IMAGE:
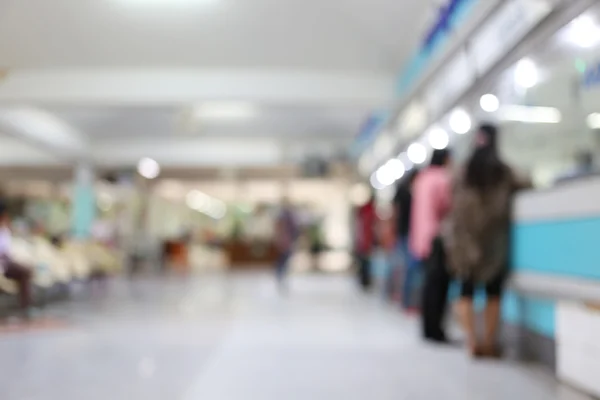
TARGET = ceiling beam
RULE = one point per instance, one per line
(185, 86)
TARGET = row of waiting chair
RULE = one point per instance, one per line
(52, 264)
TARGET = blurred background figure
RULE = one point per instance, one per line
(287, 233)
(477, 237)
(366, 221)
(430, 205)
(13, 271)
(584, 166)
(404, 260)
(316, 243)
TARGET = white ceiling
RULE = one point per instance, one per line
(270, 121)
(121, 76)
(351, 35)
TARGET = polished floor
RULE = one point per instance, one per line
(218, 337)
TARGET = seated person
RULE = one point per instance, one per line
(10, 269)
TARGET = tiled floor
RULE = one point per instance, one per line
(224, 338)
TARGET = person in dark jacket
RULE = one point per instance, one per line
(404, 255)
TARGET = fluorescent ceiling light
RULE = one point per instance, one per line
(593, 121)
(489, 103)
(225, 110)
(205, 204)
(526, 74)
(583, 32)
(532, 115)
(460, 121)
(148, 168)
(438, 138)
(417, 153)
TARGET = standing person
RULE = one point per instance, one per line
(19, 274)
(286, 230)
(366, 219)
(477, 237)
(402, 212)
(430, 205)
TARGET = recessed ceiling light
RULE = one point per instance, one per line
(593, 121)
(417, 153)
(148, 168)
(489, 103)
(375, 183)
(438, 138)
(386, 175)
(583, 32)
(526, 74)
(460, 121)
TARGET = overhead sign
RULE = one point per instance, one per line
(509, 25)
(449, 16)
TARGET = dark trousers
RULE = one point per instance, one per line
(435, 293)
(22, 277)
(282, 264)
(365, 277)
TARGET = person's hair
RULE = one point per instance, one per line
(485, 168)
(439, 158)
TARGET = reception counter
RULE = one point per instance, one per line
(554, 295)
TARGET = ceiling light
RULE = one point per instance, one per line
(197, 200)
(375, 183)
(417, 153)
(489, 103)
(438, 138)
(148, 168)
(385, 175)
(532, 115)
(593, 121)
(460, 121)
(396, 167)
(217, 209)
(225, 110)
(583, 32)
(526, 73)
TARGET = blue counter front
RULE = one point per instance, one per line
(555, 257)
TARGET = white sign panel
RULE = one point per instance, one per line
(452, 81)
(509, 25)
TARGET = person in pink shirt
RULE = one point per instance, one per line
(431, 204)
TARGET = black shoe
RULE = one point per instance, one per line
(439, 338)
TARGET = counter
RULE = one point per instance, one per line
(555, 289)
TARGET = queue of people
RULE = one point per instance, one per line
(451, 224)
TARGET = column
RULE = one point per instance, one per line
(83, 202)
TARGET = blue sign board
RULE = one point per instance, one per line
(450, 15)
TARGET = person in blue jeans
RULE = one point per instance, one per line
(402, 212)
